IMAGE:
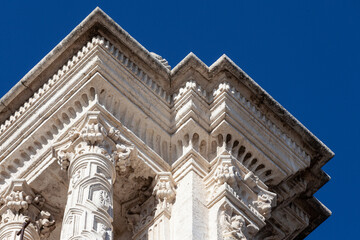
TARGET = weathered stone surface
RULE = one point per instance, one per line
(121, 146)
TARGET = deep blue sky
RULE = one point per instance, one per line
(306, 54)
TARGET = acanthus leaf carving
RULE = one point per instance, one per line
(95, 135)
(20, 204)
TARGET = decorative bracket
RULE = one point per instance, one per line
(164, 191)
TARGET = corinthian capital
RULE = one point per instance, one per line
(20, 204)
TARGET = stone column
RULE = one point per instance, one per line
(19, 205)
(90, 156)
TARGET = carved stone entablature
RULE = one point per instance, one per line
(234, 225)
(20, 204)
(95, 135)
(229, 177)
(164, 192)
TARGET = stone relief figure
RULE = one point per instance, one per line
(233, 226)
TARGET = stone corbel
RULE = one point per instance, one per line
(164, 192)
(265, 199)
(21, 204)
(225, 175)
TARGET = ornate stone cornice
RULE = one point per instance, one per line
(141, 75)
(214, 128)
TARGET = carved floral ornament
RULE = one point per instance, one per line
(95, 136)
(230, 176)
(19, 204)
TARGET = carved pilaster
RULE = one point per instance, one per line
(91, 154)
(20, 204)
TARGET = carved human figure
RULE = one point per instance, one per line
(235, 228)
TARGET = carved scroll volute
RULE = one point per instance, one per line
(20, 204)
(164, 191)
(125, 152)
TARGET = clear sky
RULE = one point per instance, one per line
(306, 54)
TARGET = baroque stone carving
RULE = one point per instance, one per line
(234, 226)
(247, 188)
(91, 153)
(20, 204)
(223, 138)
(94, 138)
(226, 173)
(164, 191)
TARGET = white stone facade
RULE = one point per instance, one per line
(103, 140)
